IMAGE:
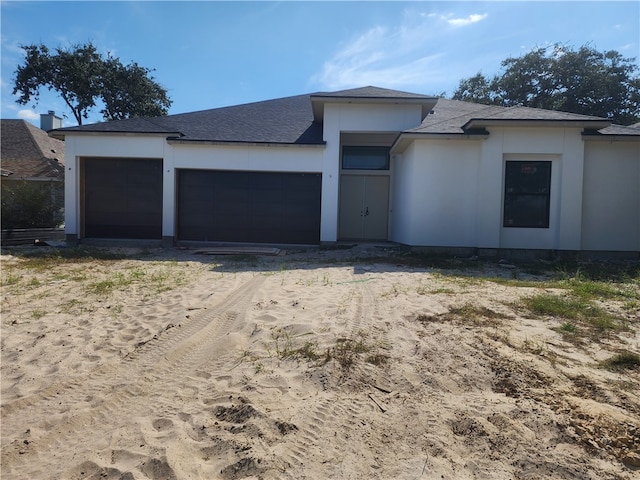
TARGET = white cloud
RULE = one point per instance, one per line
(462, 22)
(405, 56)
(28, 114)
(380, 56)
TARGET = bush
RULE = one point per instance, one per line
(31, 204)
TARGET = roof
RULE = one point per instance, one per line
(28, 152)
(298, 119)
(368, 94)
(286, 120)
(456, 117)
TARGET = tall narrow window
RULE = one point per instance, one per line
(527, 187)
(365, 158)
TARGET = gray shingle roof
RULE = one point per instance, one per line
(620, 130)
(455, 117)
(28, 152)
(290, 120)
(285, 120)
(372, 92)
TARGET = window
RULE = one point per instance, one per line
(526, 194)
(365, 158)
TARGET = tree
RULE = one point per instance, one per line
(559, 78)
(129, 89)
(82, 77)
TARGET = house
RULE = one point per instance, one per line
(361, 164)
(28, 153)
(29, 157)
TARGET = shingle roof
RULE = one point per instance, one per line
(28, 152)
(283, 120)
(456, 117)
(372, 92)
(620, 130)
(290, 120)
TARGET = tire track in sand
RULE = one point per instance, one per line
(161, 365)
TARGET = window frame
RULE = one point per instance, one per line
(364, 149)
(520, 190)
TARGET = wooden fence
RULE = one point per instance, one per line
(28, 236)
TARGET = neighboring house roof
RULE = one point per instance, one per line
(298, 119)
(27, 152)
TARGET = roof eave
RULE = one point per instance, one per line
(609, 137)
(532, 122)
(61, 134)
(180, 141)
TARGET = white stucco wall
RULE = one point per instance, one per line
(344, 117)
(176, 156)
(611, 204)
(451, 192)
(565, 149)
(78, 146)
(434, 193)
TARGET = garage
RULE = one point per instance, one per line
(122, 198)
(252, 207)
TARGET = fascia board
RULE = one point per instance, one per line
(483, 122)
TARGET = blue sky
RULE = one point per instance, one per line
(211, 54)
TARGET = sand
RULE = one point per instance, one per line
(319, 364)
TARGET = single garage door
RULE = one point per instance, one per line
(122, 198)
(257, 207)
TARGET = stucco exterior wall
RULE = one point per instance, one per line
(611, 203)
(434, 194)
(565, 149)
(176, 156)
(78, 146)
(450, 193)
(444, 192)
(354, 118)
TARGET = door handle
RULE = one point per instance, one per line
(366, 212)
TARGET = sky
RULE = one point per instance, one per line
(210, 54)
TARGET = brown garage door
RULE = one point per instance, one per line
(256, 207)
(122, 198)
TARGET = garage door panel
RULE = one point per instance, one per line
(261, 207)
(122, 198)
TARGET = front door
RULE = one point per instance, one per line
(364, 207)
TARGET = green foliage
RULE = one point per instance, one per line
(28, 204)
(82, 76)
(557, 77)
(574, 308)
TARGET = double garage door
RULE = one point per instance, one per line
(257, 207)
(123, 199)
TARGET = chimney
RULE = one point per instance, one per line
(50, 121)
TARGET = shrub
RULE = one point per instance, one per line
(30, 204)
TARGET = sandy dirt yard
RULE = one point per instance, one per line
(352, 363)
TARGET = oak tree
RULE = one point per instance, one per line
(84, 79)
(584, 81)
